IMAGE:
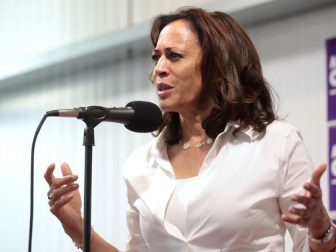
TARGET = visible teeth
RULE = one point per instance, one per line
(163, 87)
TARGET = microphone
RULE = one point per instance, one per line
(137, 116)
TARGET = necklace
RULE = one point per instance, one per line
(198, 145)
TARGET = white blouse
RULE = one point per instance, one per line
(177, 207)
(234, 204)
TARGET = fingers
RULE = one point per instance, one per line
(297, 215)
(54, 182)
(48, 175)
(317, 174)
(312, 190)
(309, 214)
(306, 201)
(65, 168)
(56, 205)
(56, 194)
(58, 182)
(293, 218)
(303, 213)
(60, 188)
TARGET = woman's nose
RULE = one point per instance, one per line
(161, 68)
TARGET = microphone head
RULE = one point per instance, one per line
(147, 117)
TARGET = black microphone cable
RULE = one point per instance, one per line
(31, 218)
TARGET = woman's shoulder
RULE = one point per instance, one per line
(139, 158)
(140, 153)
(281, 127)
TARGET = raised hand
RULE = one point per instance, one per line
(313, 214)
(64, 199)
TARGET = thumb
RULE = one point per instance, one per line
(317, 174)
(65, 168)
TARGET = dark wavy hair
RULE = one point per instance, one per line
(233, 83)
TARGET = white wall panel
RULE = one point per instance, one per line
(145, 9)
(31, 27)
(34, 26)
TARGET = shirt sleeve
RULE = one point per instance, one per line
(297, 169)
(136, 242)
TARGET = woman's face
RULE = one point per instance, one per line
(176, 74)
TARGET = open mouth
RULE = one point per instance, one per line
(164, 90)
(163, 87)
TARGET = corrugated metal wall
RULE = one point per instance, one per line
(292, 51)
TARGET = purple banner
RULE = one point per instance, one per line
(332, 171)
(331, 76)
(331, 96)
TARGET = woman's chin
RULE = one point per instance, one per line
(166, 107)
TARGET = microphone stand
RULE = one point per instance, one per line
(91, 119)
(88, 142)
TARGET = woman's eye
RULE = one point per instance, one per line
(174, 56)
(155, 58)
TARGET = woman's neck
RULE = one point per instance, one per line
(192, 130)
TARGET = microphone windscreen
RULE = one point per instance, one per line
(147, 117)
